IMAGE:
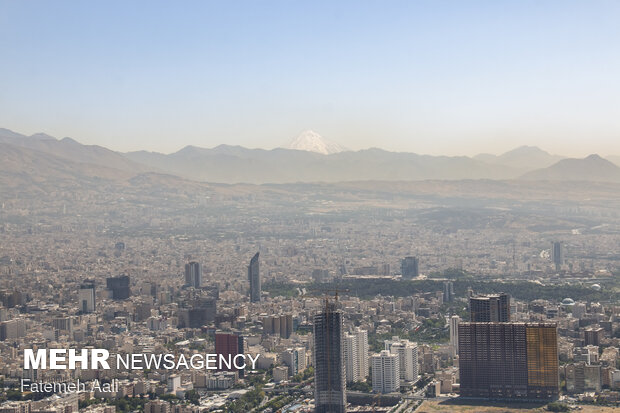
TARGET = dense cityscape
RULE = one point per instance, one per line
(349, 303)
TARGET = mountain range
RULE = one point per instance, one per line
(309, 158)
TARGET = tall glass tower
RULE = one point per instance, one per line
(254, 278)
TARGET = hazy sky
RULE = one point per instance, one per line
(438, 77)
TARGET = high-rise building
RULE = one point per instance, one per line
(12, 299)
(198, 312)
(508, 360)
(448, 292)
(557, 254)
(278, 324)
(119, 287)
(356, 355)
(12, 329)
(407, 353)
(409, 267)
(330, 388)
(174, 383)
(193, 274)
(490, 308)
(581, 377)
(385, 372)
(454, 334)
(63, 323)
(351, 358)
(295, 359)
(254, 278)
(286, 325)
(362, 352)
(593, 336)
(229, 344)
(86, 297)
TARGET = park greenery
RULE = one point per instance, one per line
(361, 386)
(304, 375)
(277, 403)
(247, 402)
(521, 290)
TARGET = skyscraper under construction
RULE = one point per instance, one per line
(330, 392)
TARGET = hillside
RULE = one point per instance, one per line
(592, 168)
(523, 158)
(72, 150)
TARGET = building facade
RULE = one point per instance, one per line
(356, 355)
(229, 344)
(193, 274)
(508, 360)
(409, 267)
(489, 308)
(254, 278)
(385, 372)
(557, 254)
(330, 388)
(448, 291)
(407, 353)
(119, 287)
(454, 334)
(86, 297)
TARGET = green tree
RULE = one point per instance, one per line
(13, 394)
(558, 407)
(192, 396)
(361, 386)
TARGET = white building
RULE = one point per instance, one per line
(385, 372)
(362, 349)
(407, 353)
(356, 355)
(454, 334)
(295, 359)
(351, 358)
(174, 383)
(280, 374)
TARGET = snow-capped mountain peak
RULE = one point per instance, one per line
(313, 142)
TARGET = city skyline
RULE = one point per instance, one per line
(309, 207)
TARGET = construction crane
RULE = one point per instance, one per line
(331, 290)
(324, 291)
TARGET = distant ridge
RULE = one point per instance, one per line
(228, 164)
(46, 157)
(30, 171)
(72, 150)
(592, 168)
(524, 158)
